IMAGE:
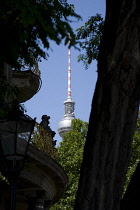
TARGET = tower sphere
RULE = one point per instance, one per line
(65, 125)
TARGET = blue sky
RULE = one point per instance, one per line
(49, 100)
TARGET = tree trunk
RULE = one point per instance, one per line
(114, 109)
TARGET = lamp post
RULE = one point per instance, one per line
(15, 136)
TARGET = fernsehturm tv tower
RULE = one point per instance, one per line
(65, 124)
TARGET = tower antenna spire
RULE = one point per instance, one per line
(69, 69)
(65, 124)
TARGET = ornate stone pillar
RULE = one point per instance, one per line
(39, 204)
(48, 204)
(42, 202)
(7, 72)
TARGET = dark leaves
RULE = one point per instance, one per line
(27, 23)
(89, 37)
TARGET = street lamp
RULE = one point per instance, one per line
(15, 136)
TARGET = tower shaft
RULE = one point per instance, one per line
(65, 124)
(69, 70)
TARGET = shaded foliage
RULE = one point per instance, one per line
(89, 36)
(42, 140)
(27, 26)
(8, 93)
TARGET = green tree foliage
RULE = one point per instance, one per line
(43, 141)
(70, 154)
(27, 26)
(135, 154)
(89, 36)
